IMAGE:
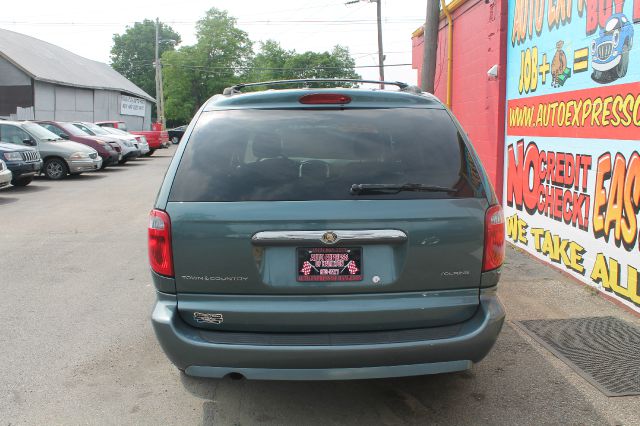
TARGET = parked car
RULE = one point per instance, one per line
(155, 138)
(128, 145)
(70, 132)
(610, 50)
(24, 162)
(60, 157)
(139, 140)
(176, 134)
(326, 234)
(5, 175)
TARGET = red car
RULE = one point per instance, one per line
(106, 150)
(155, 138)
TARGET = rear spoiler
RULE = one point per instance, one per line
(232, 90)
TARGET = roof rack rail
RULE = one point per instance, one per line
(236, 88)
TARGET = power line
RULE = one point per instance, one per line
(247, 22)
(250, 68)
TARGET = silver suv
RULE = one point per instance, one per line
(61, 157)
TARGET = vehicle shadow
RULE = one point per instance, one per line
(7, 200)
(385, 401)
(112, 169)
(86, 176)
(27, 189)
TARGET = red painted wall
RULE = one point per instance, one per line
(479, 42)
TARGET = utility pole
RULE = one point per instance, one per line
(159, 89)
(380, 50)
(430, 46)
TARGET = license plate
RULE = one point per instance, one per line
(330, 264)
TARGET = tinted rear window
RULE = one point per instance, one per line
(268, 155)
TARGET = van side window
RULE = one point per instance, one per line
(13, 134)
(52, 128)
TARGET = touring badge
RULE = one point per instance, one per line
(207, 318)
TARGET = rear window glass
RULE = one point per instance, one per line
(295, 155)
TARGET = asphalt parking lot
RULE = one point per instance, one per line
(76, 344)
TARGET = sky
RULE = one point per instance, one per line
(87, 27)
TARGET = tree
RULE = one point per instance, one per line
(192, 74)
(133, 52)
(335, 64)
(270, 63)
(223, 56)
(275, 63)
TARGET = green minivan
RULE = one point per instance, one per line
(325, 234)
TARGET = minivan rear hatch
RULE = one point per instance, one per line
(326, 209)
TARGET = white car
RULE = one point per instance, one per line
(128, 144)
(141, 140)
(143, 145)
(5, 175)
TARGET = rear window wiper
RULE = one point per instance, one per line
(394, 188)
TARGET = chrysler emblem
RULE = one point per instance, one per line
(329, 237)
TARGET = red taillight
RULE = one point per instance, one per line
(494, 243)
(325, 98)
(160, 253)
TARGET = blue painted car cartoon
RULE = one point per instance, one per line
(610, 51)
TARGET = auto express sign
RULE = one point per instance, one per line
(130, 105)
(572, 148)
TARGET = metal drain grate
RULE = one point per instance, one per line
(603, 350)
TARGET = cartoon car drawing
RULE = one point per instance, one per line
(610, 51)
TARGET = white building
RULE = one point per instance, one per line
(45, 82)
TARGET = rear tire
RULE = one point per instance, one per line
(55, 169)
(623, 66)
(22, 181)
(150, 153)
(121, 162)
(175, 140)
(597, 76)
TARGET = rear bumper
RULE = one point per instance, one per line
(267, 356)
(5, 177)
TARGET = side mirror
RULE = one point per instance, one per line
(64, 136)
(29, 142)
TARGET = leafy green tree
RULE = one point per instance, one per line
(133, 52)
(219, 59)
(275, 63)
(270, 63)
